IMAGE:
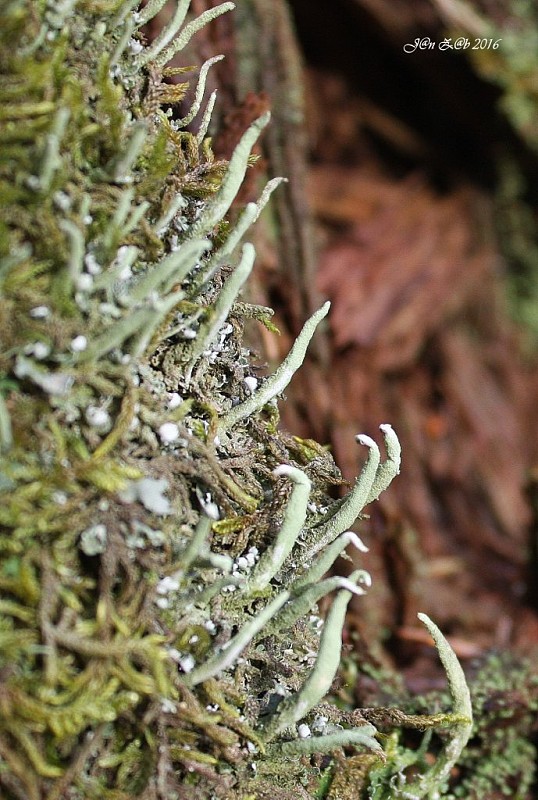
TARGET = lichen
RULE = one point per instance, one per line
(162, 543)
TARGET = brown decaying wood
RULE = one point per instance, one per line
(420, 337)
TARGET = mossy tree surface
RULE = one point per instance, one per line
(162, 544)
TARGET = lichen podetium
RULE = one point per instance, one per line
(161, 544)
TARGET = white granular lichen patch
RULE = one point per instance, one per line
(93, 540)
(40, 312)
(97, 417)
(79, 344)
(168, 432)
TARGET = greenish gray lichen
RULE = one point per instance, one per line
(161, 542)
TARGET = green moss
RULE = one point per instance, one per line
(500, 759)
(153, 519)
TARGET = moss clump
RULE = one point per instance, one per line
(162, 545)
(500, 758)
(130, 511)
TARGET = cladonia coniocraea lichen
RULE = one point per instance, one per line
(162, 545)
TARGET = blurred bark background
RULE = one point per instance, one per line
(411, 204)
